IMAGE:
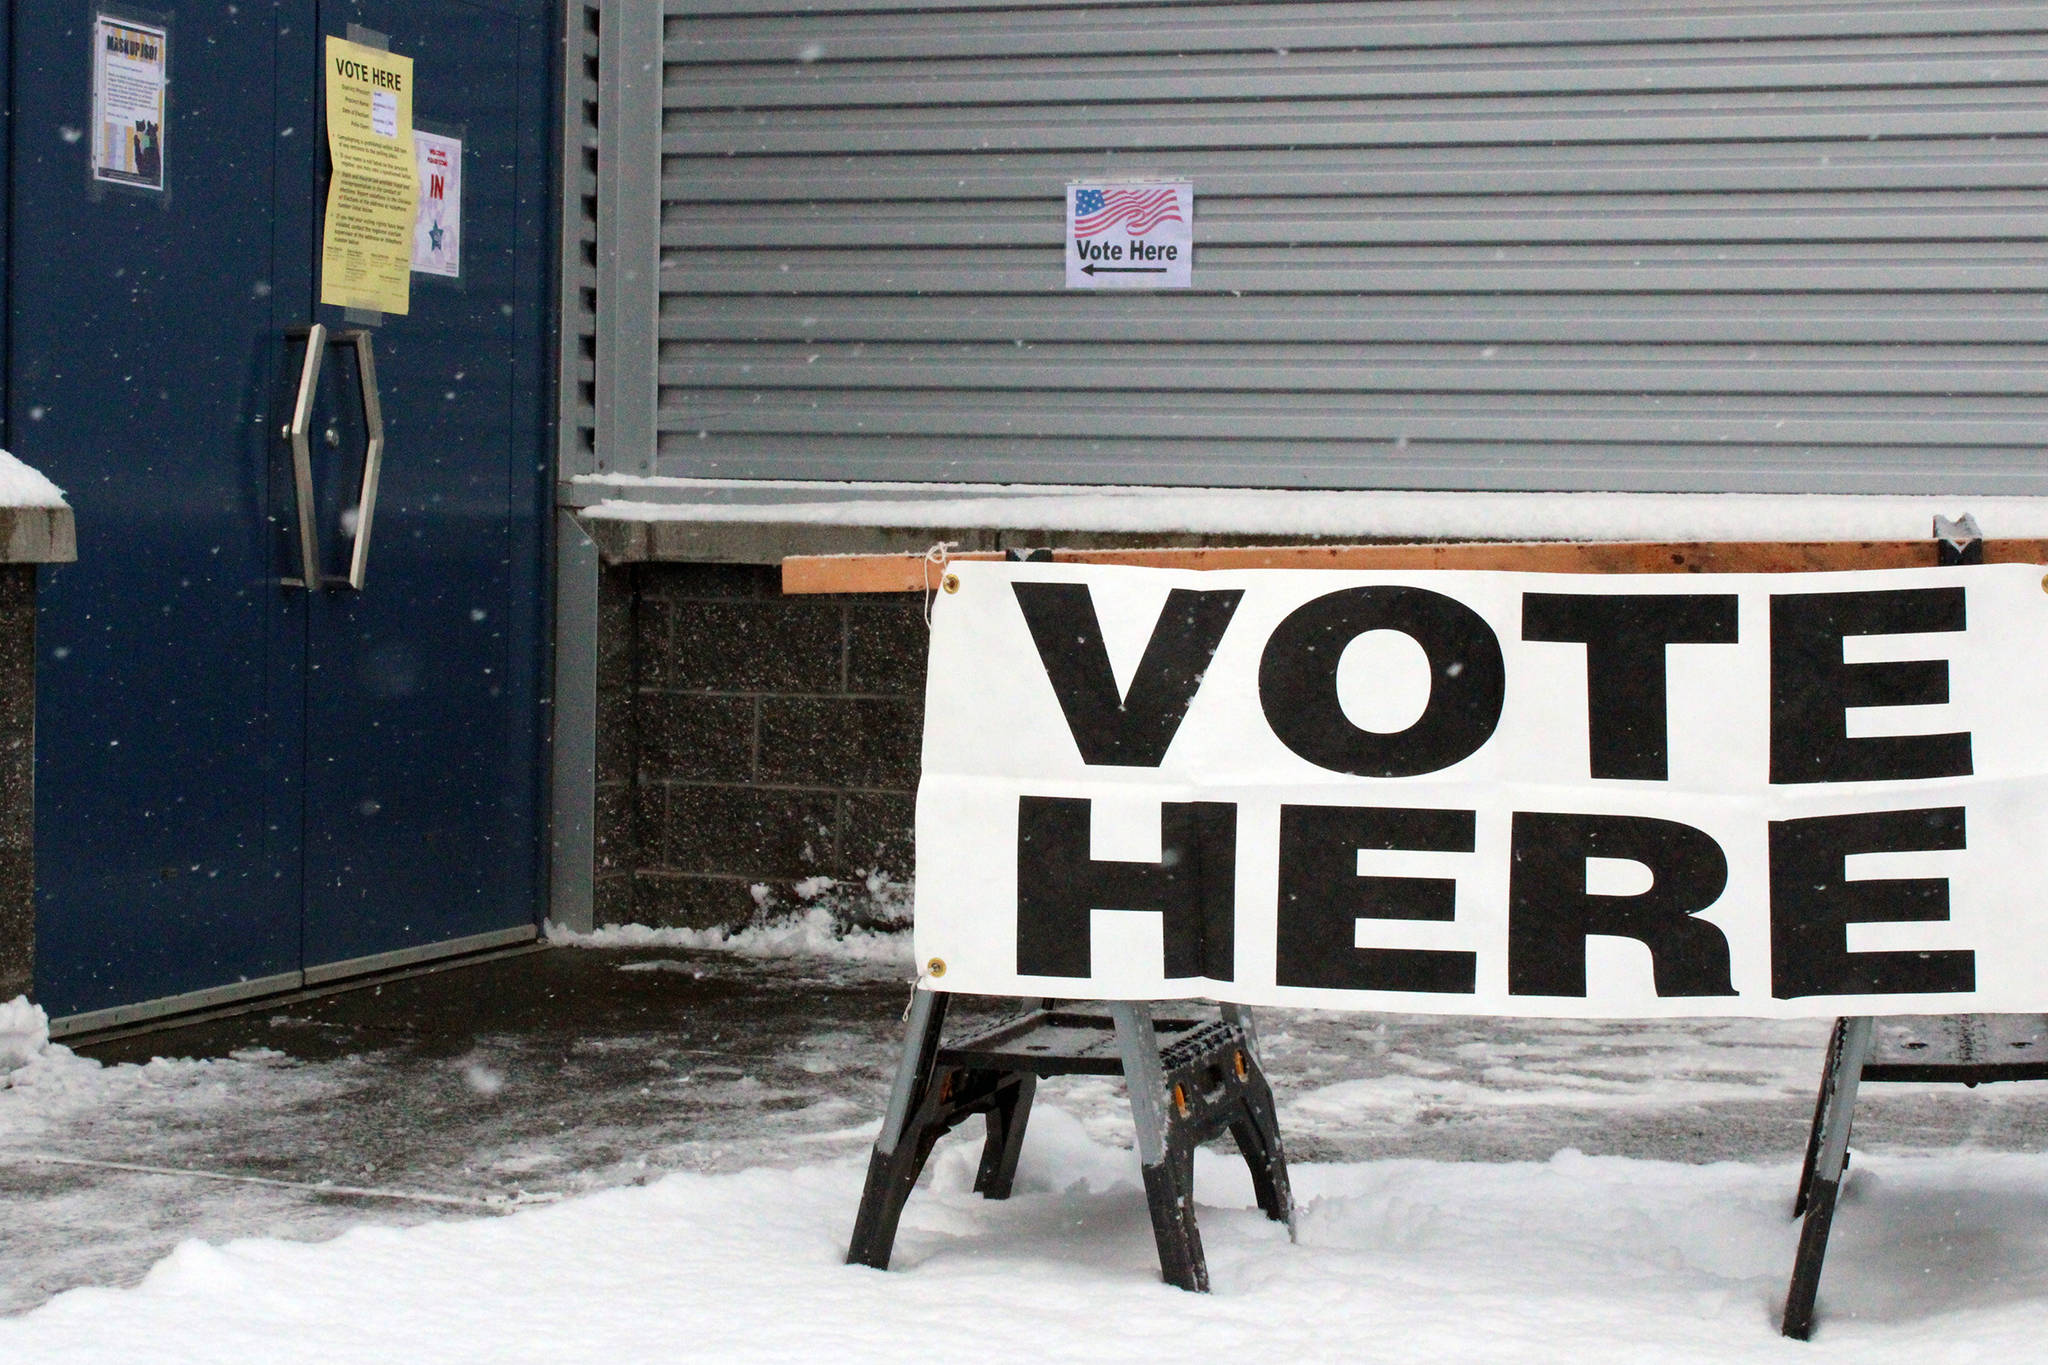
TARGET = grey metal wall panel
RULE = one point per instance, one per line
(576, 384)
(628, 235)
(1517, 244)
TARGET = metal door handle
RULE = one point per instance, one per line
(317, 342)
(302, 454)
(373, 456)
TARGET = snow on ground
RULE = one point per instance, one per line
(1471, 1189)
(1579, 1259)
(49, 1088)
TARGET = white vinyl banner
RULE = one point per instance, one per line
(1490, 793)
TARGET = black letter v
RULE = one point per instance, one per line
(1132, 731)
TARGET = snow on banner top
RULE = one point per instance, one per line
(1773, 795)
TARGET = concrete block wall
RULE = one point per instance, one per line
(747, 739)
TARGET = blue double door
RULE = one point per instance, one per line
(243, 781)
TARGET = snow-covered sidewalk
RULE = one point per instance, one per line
(690, 1119)
(1577, 1259)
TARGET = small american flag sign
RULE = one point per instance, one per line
(1138, 211)
(1136, 234)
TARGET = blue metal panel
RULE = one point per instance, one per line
(6, 203)
(238, 779)
(423, 734)
(141, 370)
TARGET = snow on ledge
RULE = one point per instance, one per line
(21, 486)
(1361, 515)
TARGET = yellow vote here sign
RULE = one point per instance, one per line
(366, 247)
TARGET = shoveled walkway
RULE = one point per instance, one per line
(467, 1092)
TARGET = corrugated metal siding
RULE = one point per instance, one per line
(576, 385)
(1516, 244)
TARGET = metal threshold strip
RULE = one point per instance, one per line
(328, 979)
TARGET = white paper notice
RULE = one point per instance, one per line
(437, 228)
(383, 113)
(129, 65)
(1131, 235)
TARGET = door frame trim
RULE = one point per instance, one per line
(425, 952)
(116, 1015)
(572, 795)
(92, 1021)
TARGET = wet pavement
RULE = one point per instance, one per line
(472, 1091)
(456, 1093)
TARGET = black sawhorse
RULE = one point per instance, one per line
(1969, 1049)
(1191, 1078)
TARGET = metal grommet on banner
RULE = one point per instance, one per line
(936, 557)
(935, 968)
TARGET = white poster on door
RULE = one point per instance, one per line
(437, 225)
(130, 65)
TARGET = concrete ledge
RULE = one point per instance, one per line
(738, 522)
(37, 535)
(671, 540)
(762, 542)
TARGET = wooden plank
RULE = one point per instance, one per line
(864, 573)
(915, 573)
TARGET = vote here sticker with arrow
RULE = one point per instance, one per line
(1132, 234)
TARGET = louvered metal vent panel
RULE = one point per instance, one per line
(576, 385)
(1519, 244)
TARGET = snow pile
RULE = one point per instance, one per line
(1577, 1259)
(857, 922)
(820, 930)
(875, 901)
(1360, 515)
(24, 1034)
(21, 486)
(29, 1060)
(815, 932)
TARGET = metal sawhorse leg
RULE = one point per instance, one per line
(1190, 1079)
(1968, 1049)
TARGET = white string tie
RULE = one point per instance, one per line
(935, 558)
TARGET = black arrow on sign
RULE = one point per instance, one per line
(1123, 269)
